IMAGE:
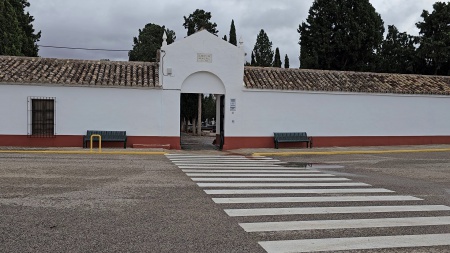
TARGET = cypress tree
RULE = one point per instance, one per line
(17, 35)
(277, 61)
(397, 53)
(233, 39)
(434, 36)
(263, 52)
(11, 36)
(286, 61)
(341, 35)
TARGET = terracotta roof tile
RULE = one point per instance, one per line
(29, 70)
(322, 80)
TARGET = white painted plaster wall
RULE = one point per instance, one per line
(260, 113)
(140, 112)
(227, 64)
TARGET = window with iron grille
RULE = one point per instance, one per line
(41, 116)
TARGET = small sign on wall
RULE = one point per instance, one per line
(202, 57)
(233, 104)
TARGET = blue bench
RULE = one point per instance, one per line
(292, 137)
(107, 136)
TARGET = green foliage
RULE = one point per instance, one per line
(434, 49)
(199, 20)
(263, 53)
(253, 62)
(233, 39)
(17, 35)
(188, 106)
(397, 53)
(286, 61)
(148, 42)
(277, 61)
(208, 107)
(340, 35)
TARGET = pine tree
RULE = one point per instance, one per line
(277, 61)
(149, 41)
(286, 61)
(340, 35)
(262, 50)
(233, 39)
(198, 20)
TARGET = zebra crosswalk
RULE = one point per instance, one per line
(276, 203)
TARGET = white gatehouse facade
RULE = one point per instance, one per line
(69, 97)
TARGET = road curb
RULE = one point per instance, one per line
(355, 152)
(83, 152)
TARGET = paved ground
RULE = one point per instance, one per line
(191, 142)
(145, 203)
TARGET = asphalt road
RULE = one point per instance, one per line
(130, 203)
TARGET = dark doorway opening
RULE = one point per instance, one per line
(193, 137)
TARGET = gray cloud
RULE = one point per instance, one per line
(112, 24)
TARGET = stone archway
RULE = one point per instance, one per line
(204, 82)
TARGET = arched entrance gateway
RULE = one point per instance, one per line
(210, 131)
(202, 64)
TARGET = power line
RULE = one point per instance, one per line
(87, 49)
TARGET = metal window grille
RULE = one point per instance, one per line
(41, 117)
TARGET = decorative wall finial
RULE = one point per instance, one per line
(164, 39)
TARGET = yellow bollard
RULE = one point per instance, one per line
(99, 142)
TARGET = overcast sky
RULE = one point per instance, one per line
(112, 24)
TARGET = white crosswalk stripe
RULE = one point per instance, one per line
(270, 179)
(256, 175)
(279, 171)
(355, 243)
(206, 185)
(329, 210)
(249, 182)
(340, 224)
(297, 191)
(312, 199)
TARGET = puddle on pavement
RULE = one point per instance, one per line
(311, 165)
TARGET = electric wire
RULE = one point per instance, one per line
(86, 49)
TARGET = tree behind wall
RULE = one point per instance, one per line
(434, 35)
(340, 35)
(17, 35)
(262, 51)
(149, 41)
(397, 53)
(198, 20)
(233, 39)
(209, 107)
(277, 60)
(286, 61)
